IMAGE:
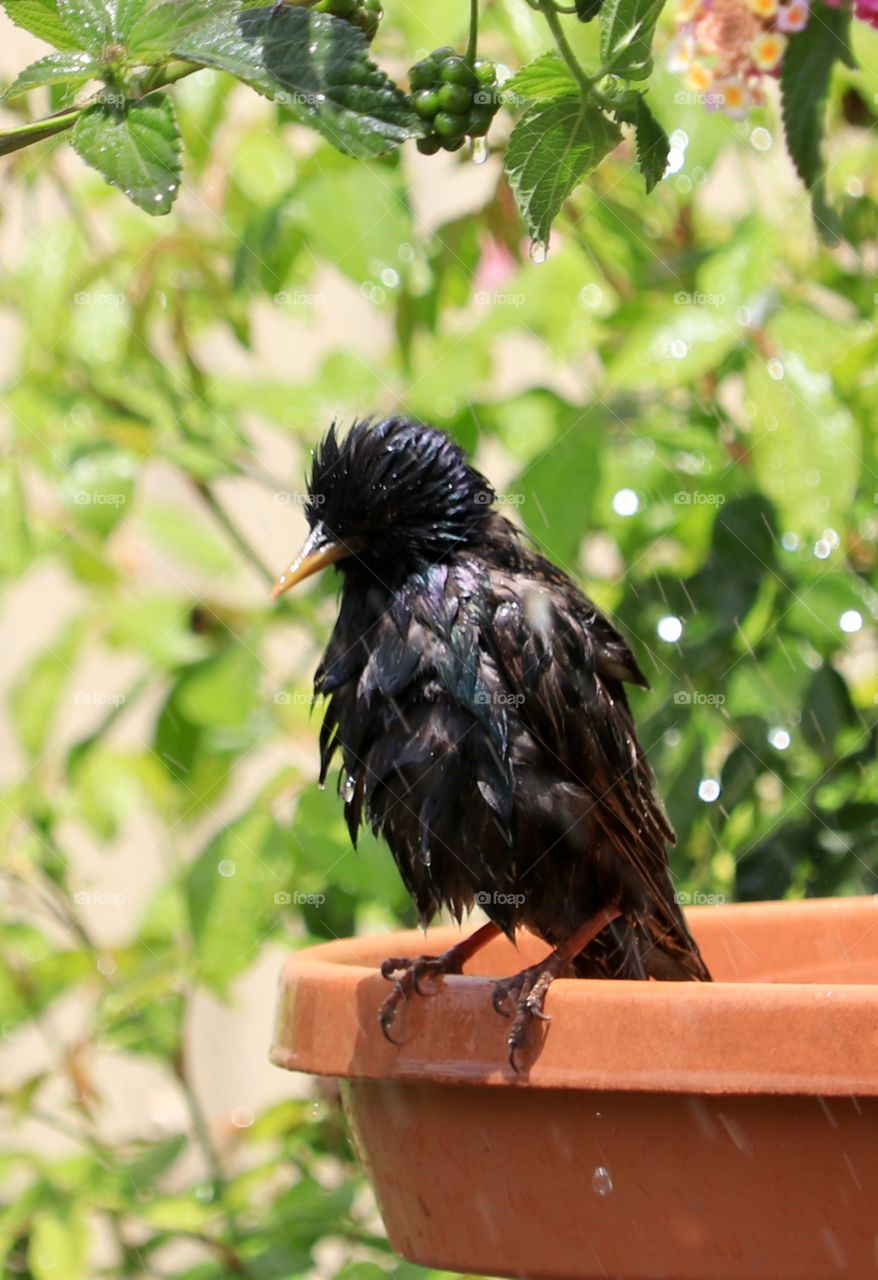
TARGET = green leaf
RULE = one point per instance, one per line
(318, 67)
(58, 1248)
(827, 710)
(91, 21)
(543, 80)
(653, 147)
(231, 891)
(551, 149)
(34, 702)
(165, 25)
(42, 19)
(806, 445)
(136, 148)
(98, 485)
(807, 68)
(627, 30)
(55, 68)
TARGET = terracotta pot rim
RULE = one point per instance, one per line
(795, 1011)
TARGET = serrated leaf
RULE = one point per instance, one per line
(162, 27)
(551, 149)
(807, 69)
(97, 23)
(55, 68)
(627, 30)
(653, 147)
(543, 80)
(91, 21)
(42, 19)
(318, 67)
(136, 148)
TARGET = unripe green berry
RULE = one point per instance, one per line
(422, 75)
(486, 72)
(426, 103)
(428, 146)
(449, 125)
(455, 98)
(454, 70)
(478, 121)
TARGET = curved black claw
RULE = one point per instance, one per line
(529, 990)
(407, 973)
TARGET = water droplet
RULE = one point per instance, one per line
(775, 370)
(822, 549)
(709, 790)
(537, 251)
(347, 791)
(241, 1117)
(317, 1110)
(851, 620)
(669, 629)
(779, 738)
(480, 150)
(761, 139)
(601, 1181)
(591, 295)
(679, 348)
(226, 867)
(626, 502)
(790, 542)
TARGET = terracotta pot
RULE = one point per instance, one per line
(661, 1129)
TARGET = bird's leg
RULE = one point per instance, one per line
(530, 986)
(407, 972)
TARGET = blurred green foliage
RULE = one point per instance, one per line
(678, 405)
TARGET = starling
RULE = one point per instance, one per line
(477, 698)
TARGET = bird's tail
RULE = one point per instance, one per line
(626, 949)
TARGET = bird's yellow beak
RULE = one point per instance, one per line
(320, 549)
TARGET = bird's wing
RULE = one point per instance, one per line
(564, 664)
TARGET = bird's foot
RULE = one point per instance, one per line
(407, 973)
(527, 992)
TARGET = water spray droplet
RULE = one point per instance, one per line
(480, 150)
(601, 1181)
(537, 251)
(347, 791)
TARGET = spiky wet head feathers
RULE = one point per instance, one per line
(402, 489)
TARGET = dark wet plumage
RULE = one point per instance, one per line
(476, 698)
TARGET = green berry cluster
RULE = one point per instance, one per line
(453, 98)
(364, 14)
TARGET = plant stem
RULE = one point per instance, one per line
(473, 41)
(23, 135)
(547, 9)
(221, 516)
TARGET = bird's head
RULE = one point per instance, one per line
(388, 499)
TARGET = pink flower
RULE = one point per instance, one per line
(867, 11)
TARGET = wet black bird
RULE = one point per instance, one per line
(477, 698)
